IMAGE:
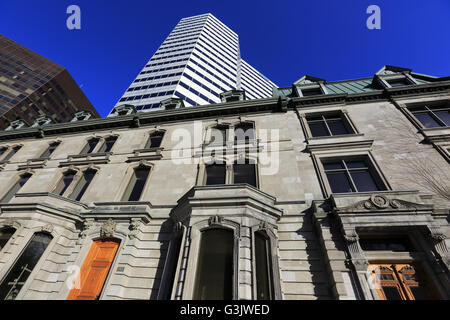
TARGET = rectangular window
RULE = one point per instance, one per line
(154, 140)
(311, 92)
(328, 125)
(383, 243)
(351, 176)
(108, 144)
(398, 82)
(215, 174)
(12, 153)
(64, 183)
(82, 185)
(52, 147)
(432, 116)
(90, 146)
(245, 173)
(17, 186)
(136, 185)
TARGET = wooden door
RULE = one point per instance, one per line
(94, 271)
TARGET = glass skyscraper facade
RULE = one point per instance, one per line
(198, 60)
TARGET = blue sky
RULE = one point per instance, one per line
(282, 39)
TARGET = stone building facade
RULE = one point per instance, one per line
(317, 202)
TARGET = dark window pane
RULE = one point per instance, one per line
(140, 178)
(155, 140)
(398, 82)
(2, 151)
(337, 127)
(427, 120)
(391, 244)
(13, 152)
(215, 266)
(318, 129)
(444, 116)
(50, 150)
(392, 293)
(5, 235)
(244, 173)
(17, 186)
(218, 136)
(339, 182)
(333, 165)
(263, 266)
(419, 293)
(16, 278)
(90, 146)
(311, 92)
(83, 185)
(355, 164)
(215, 174)
(109, 143)
(65, 183)
(244, 132)
(364, 181)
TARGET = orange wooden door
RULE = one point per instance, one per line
(94, 271)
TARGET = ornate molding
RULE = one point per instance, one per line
(379, 202)
(87, 224)
(108, 228)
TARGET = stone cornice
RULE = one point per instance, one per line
(274, 104)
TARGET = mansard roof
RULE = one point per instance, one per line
(357, 86)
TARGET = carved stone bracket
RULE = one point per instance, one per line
(215, 220)
(438, 238)
(134, 228)
(47, 228)
(87, 224)
(108, 228)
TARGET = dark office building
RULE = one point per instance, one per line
(32, 86)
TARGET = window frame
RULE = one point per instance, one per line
(145, 186)
(78, 181)
(342, 113)
(229, 169)
(318, 160)
(16, 180)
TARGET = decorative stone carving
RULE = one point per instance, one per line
(87, 224)
(215, 220)
(438, 238)
(108, 228)
(381, 202)
(134, 228)
(8, 222)
(48, 228)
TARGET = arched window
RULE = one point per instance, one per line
(65, 182)
(83, 184)
(214, 277)
(19, 273)
(16, 187)
(244, 132)
(215, 174)
(136, 184)
(5, 235)
(155, 139)
(263, 267)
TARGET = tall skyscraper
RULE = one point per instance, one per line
(32, 86)
(198, 60)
